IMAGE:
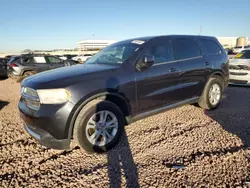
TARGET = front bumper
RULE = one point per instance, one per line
(12, 74)
(46, 139)
(239, 77)
(48, 125)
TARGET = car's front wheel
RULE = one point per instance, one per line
(98, 126)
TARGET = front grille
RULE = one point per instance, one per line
(238, 67)
(239, 73)
(238, 81)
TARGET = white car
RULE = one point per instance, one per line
(62, 57)
(239, 68)
(82, 58)
(238, 49)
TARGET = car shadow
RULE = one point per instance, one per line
(3, 78)
(120, 158)
(233, 113)
(3, 104)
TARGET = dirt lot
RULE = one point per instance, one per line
(213, 148)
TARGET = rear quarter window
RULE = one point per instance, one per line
(211, 47)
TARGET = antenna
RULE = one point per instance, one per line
(200, 30)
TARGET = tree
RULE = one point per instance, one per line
(27, 51)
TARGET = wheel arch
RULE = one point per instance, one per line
(220, 74)
(117, 99)
(26, 70)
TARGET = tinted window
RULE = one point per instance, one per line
(211, 47)
(185, 48)
(13, 59)
(54, 59)
(161, 51)
(27, 60)
(3, 61)
(245, 54)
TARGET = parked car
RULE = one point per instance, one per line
(82, 58)
(124, 82)
(8, 56)
(61, 57)
(238, 49)
(66, 56)
(3, 67)
(239, 68)
(29, 64)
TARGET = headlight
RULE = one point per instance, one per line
(53, 96)
(31, 98)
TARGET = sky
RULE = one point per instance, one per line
(53, 24)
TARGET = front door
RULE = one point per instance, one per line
(157, 86)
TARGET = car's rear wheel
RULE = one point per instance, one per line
(212, 94)
(98, 126)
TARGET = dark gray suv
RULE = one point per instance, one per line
(29, 64)
(124, 82)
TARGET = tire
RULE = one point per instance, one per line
(205, 102)
(81, 132)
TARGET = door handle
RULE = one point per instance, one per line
(207, 63)
(173, 70)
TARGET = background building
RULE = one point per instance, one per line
(93, 44)
(229, 42)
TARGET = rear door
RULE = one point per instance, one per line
(54, 62)
(193, 65)
(158, 85)
(40, 64)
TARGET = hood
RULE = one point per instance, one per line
(62, 77)
(239, 62)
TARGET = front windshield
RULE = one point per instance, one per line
(245, 54)
(116, 53)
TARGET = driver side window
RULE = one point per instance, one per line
(161, 50)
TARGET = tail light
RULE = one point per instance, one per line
(13, 65)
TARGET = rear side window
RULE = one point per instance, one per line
(185, 48)
(161, 50)
(40, 59)
(244, 54)
(54, 60)
(211, 47)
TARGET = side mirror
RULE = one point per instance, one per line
(146, 62)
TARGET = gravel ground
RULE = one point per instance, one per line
(182, 147)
